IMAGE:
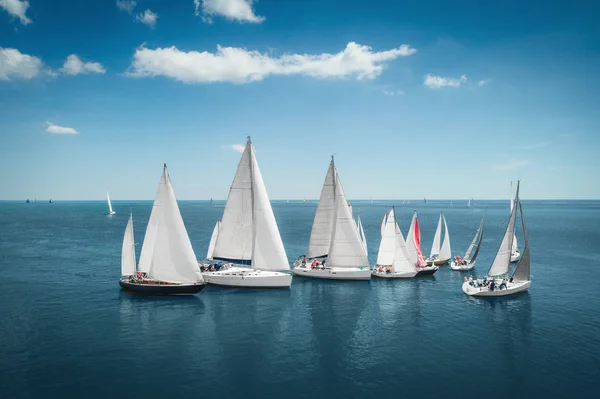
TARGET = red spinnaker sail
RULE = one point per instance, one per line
(417, 232)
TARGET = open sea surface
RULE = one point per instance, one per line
(68, 331)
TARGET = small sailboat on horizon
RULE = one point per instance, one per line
(110, 208)
(499, 281)
(336, 250)
(467, 262)
(440, 255)
(247, 237)
(167, 264)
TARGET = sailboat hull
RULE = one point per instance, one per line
(335, 273)
(515, 256)
(468, 266)
(149, 288)
(512, 289)
(426, 271)
(243, 277)
(437, 262)
(394, 274)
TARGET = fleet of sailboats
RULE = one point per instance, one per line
(247, 237)
(336, 250)
(440, 254)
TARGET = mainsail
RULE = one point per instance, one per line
(515, 246)
(387, 246)
(411, 249)
(445, 251)
(476, 241)
(168, 252)
(361, 233)
(501, 262)
(435, 247)
(401, 262)
(110, 210)
(322, 228)
(128, 250)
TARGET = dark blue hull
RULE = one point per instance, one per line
(162, 289)
(426, 272)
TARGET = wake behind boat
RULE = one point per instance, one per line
(498, 281)
(167, 263)
(440, 255)
(467, 262)
(336, 250)
(245, 249)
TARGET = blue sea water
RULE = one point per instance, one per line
(67, 330)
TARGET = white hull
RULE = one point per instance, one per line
(436, 261)
(394, 274)
(468, 266)
(112, 213)
(244, 277)
(336, 273)
(512, 288)
(514, 256)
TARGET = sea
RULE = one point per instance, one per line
(67, 330)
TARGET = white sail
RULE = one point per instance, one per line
(515, 245)
(435, 247)
(128, 251)
(322, 228)
(213, 240)
(268, 252)
(235, 238)
(346, 247)
(156, 216)
(401, 261)
(173, 259)
(387, 246)
(467, 255)
(350, 207)
(445, 251)
(469, 204)
(361, 233)
(411, 248)
(110, 209)
(501, 262)
(383, 222)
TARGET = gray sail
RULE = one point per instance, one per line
(523, 271)
(501, 262)
(474, 242)
(478, 245)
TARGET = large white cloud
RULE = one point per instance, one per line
(74, 66)
(237, 10)
(16, 65)
(437, 82)
(16, 8)
(54, 129)
(238, 65)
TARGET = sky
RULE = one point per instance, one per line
(438, 99)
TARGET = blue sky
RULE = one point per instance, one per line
(444, 99)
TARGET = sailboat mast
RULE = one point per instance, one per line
(250, 160)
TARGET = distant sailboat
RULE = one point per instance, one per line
(467, 262)
(469, 204)
(167, 264)
(110, 209)
(248, 234)
(515, 254)
(50, 201)
(27, 201)
(304, 200)
(499, 281)
(336, 250)
(424, 200)
(440, 255)
(413, 248)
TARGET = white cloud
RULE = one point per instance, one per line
(238, 147)
(237, 10)
(483, 82)
(74, 66)
(126, 5)
(14, 64)
(392, 93)
(52, 128)
(511, 165)
(436, 82)
(16, 8)
(147, 17)
(238, 65)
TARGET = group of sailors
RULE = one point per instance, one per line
(459, 260)
(489, 284)
(315, 264)
(387, 269)
(214, 267)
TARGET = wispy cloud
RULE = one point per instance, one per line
(237, 147)
(55, 129)
(437, 82)
(512, 165)
(392, 93)
(534, 146)
(16, 65)
(235, 10)
(16, 8)
(74, 66)
(238, 65)
(147, 18)
(484, 82)
(126, 5)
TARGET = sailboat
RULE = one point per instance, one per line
(335, 249)
(469, 204)
(110, 210)
(440, 255)
(413, 249)
(27, 202)
(392, 258)
(499, 281)
(467, 262)
(50, 201)
(514, 254)
(247, 237)
(167, 263)
(361, 234)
